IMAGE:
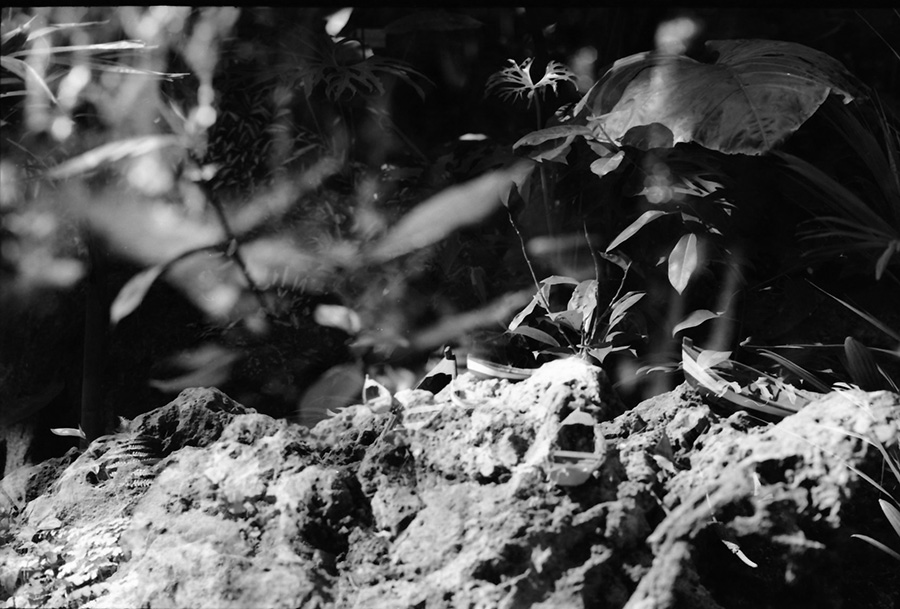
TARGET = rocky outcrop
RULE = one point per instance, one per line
(543, 493)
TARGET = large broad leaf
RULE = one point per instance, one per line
(683, 261)
(753, 95)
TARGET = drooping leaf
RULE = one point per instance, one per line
(695, 319)
(751, 96)
(683, 261)
(644, 219)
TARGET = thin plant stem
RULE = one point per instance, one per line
(537, 285)
(234, 252)
(545, 189)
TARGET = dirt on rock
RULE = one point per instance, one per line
(542, 493)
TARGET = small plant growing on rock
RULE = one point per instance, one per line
(582, 326)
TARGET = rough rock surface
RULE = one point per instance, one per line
(543, 493)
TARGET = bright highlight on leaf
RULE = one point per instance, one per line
(695, 319)
(644, 219)
(683, 262)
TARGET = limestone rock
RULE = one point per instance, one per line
(456, 500)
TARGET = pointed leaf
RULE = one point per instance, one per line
(572, 319)
(644, 219)
(68, 431)
(132, 293)
(621, 306)
(892, 513)
(555, 153)
(538, 335)
(885, 257)
(861, 365)
(683, 262)
(695, 319)
(877, 544)
(605, 165)
(584, 299)
(521, 315)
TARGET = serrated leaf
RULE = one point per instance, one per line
(695, 319)
(132, 293)
(644, 219)
(683, 262)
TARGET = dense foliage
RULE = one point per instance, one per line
(282, 201)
